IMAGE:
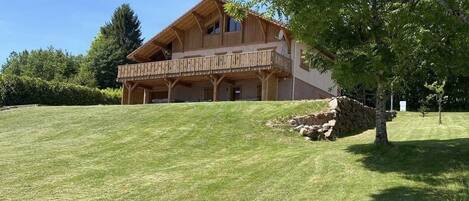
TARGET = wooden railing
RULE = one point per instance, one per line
(230, 63)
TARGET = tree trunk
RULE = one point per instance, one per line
(381, 130)
(440, 101)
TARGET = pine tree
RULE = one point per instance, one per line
(116, 40)
(125, 28)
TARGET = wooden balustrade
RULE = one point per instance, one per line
(230, 63)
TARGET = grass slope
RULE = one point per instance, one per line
(222, 151)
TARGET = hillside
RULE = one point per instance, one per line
(222, 151)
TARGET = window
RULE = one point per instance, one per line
(236, 93)
(214, 28)
(304, 64)
(232, 25)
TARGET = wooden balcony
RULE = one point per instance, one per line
(204, 66)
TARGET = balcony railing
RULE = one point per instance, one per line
(230, 63)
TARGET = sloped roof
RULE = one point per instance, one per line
(203, 8)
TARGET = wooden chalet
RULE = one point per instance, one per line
(206, 55)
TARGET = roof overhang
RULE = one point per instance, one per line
(170, 33)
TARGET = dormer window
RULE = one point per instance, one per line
(214, 28)
(232, 25)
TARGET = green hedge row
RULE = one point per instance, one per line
(16, 90)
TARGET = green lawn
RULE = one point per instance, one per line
(223, 151)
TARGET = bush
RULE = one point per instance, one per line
(113, 94)
(16, 90)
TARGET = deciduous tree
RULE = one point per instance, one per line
(375, 43)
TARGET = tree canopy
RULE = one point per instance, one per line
(376, 44)
(48, 64)
(116, 40)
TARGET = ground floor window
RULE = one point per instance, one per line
(236, 93)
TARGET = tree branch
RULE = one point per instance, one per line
(454, 11)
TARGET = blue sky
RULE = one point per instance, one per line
(72, 24)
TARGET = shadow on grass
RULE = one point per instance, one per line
(442, 164)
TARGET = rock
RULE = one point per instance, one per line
(333, 104)
(315, 127)
(345, 116)
(326, 126)
(298, 128)
(293, 122)
(303, 131)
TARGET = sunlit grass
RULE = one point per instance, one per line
(222, 151)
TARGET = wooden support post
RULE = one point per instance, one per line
(243, 27)
(201, 24)
(216, 80)
(264, 26)
(124, 92)
(264, 77)
(130, 88)
(179, 35)
(288, 40)
(170, 83)
(222, 27)
(146, 96)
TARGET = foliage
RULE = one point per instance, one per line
(103, 58)
(113, 94)
(223, 151)
(48, 64)
(423, 109)
(125, 28)
(374, 44)
(15, 90)
(438, 89)
(116, 40)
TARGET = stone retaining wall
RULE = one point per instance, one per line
(345, 117)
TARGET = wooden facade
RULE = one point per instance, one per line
(210, 65)
(207, 46)
(189, 32)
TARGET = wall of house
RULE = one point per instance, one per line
(280, 47)
(304, 90)
(251, 33)
(311, 77)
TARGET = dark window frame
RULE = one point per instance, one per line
(232, 25)
(214, 28)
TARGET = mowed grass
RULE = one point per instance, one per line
(223, 151)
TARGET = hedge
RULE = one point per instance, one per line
(16, 90)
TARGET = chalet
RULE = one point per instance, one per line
(206, 55)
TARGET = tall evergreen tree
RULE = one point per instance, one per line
(125, 28)
(116, 40)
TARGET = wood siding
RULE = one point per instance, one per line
(243, 62)
(251, 33)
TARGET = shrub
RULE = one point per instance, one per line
(16, 90)
(113, 94)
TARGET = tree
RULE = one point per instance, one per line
(438, 89)
(371, 41)
(115, 41)
(124, 28)
(103, 58)
(48, 64)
